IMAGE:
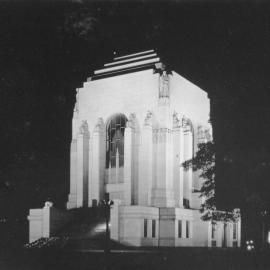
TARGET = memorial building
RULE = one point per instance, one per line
(134, 123)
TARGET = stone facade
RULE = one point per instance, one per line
(134, 123)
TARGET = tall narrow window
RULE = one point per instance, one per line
(187, 229)
(234, 231)
(179, 228)
(145, 228)
(213, 235)
(115, 141)
(153, 228)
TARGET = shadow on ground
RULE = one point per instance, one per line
(173, 258)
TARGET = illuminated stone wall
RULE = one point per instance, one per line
(160, 137)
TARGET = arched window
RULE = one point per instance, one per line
(115, 140)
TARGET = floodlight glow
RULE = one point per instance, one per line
(100, 227)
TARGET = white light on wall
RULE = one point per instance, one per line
(268, 237)
(100, 227)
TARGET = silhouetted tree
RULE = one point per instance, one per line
(204, 161)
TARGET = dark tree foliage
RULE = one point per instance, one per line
(204, 161)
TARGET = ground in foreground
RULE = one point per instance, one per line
(178, 258)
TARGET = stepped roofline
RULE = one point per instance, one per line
(134, 54)
(129, 63)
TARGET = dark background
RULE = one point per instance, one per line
(48, 49)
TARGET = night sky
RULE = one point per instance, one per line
(48, 49)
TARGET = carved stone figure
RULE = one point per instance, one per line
(148, 119)
(76, 106)
(131, 120)
(207, 135)
(100, 124)
(48, 204)
(200, 134)
(164, 85)
(186, 124)
(84, 128)
(176, 120)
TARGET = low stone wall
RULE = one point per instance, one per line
(173, 227)
(58, 219)
(127, 224)
(47, 221)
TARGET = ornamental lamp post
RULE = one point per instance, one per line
(107, 203)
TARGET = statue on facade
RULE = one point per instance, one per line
(164, 85)
(48, 204)
(200, 134)
(176, 120)
(76, 106)
(83, 129)
(131, 120)
(186, 124)
(208, 135)
(99, 125)
(148, 119)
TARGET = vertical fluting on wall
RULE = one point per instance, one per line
(146, 164)
(96, 175)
